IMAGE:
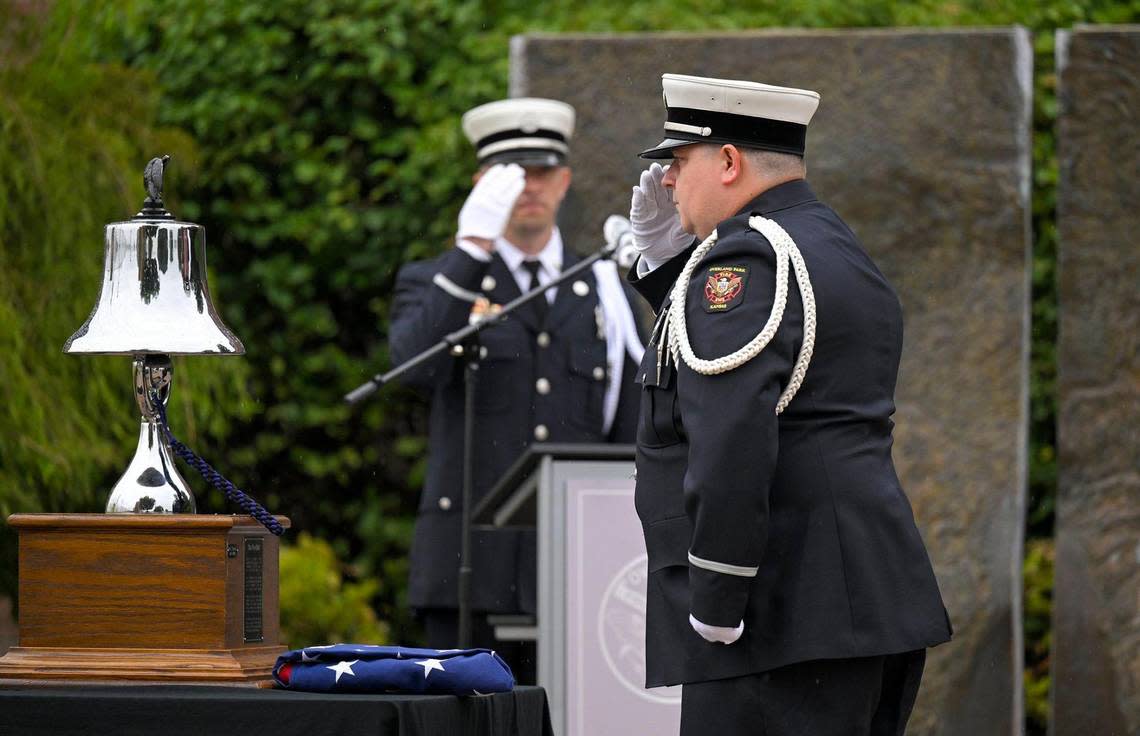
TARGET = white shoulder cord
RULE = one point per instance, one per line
(674, 331)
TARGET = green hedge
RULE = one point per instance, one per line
(318, 141)
(317, 605)
(74, 136)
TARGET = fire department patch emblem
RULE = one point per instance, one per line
(724, 288)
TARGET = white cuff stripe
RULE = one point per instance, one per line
(723, 567)
(454, 289)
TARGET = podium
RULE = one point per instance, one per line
(173, 598)
(592, 570)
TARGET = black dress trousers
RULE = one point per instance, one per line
(867, 696)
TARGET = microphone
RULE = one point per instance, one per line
(618, 234)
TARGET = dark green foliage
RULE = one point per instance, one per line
(1038, 606)
(330, 155)
(326, 152)
(74, 136)
(317, 605)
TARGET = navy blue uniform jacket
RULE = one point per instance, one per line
(569, 351)
(802, 516)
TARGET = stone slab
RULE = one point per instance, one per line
(1096, 632)
(922, 143)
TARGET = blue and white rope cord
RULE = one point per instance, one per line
(216, 479)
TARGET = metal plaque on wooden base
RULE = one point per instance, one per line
(172, 598)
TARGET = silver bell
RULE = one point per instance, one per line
(153, 303)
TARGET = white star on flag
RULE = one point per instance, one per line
(306, 657)
(343, 668)
(431, 664)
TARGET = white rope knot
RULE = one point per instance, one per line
(674, 332)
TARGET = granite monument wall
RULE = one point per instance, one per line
(1096, 620)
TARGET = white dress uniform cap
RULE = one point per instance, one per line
(525, 130)
(750, 114)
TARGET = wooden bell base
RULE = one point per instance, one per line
(48, 666)
(137, 598)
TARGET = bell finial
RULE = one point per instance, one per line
(152, 181)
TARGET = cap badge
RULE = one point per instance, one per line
(528, 123)
(724, 287)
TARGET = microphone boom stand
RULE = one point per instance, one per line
(464, 343)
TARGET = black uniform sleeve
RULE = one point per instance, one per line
(731, 424)
(423, 313)
(655, 285)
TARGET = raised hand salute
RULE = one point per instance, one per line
(485, 214)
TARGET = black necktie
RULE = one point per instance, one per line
(539, 305)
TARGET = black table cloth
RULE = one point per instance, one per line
(174, 710)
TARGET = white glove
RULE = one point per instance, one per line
(488, 207)
(721, 634)
(656, 226)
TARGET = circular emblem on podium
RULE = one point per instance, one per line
(621, 632)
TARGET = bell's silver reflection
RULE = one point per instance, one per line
(152, 484)
(153, 303)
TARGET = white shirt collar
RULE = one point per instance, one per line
(550, 256)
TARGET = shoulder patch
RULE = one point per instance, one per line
(724, 288)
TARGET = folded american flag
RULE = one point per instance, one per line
(368, 668)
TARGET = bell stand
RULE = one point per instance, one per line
(152, 483)
(464, 343)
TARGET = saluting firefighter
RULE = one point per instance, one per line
(561, 371)
(789, 589)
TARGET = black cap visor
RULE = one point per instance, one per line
(665, 148)
(525, 157)
(686, 125)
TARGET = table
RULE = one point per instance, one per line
(199, 710)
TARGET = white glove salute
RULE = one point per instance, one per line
(488, 207)
(657, 232)
(715, 634)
